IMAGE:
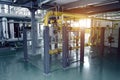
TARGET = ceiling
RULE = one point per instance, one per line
(92, 6)
(89, 7)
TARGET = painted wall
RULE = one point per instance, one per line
(108, 30)
(116, 34)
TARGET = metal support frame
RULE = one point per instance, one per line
(56, 46)
(77, 40)
(33, 30)
(102, 41)
(46, 50)
(25, 43)
(82, 40)
(119, 41)
(1, 31)
(65, 49)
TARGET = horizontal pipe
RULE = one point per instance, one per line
(62, 14)
(56, 51)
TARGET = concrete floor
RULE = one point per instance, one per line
(13, 67)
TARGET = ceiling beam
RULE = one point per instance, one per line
(96, 9)
(12, 4)
(5, 2)
(22, 1)
(80, 3)
(28, 3)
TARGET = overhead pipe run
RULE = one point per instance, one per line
(61, 14)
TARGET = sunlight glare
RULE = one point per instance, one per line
(86, 23)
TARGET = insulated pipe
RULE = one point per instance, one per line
(21, 26)
(5, 28)
(11, 29)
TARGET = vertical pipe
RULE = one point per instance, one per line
(18, 31)
(65, 54)
(5, 28)
(82, 40)
(21, 26)
(12, 29)
(33, 31)
(102, 41)
(77, 40)
(25, 43)
(38, 30)
(46, 50)
(8, 9)
(56, 44)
